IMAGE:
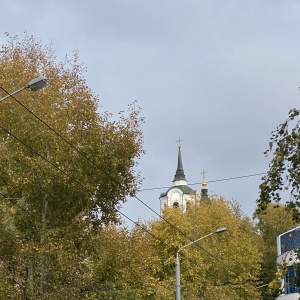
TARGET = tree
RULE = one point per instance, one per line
(217, 269)
(140, 263)
(272, 222)
(123, 265)
(70, 108)
(283, 180)
(281, 184)
(60, 159)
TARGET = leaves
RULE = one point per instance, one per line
(68, 168)
(211, 268)
(272, 222)
(282, 179)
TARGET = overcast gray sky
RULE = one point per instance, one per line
(219, 74)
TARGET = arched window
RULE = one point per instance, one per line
(176, 204)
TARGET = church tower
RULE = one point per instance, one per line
(204, 191)
(180, 193)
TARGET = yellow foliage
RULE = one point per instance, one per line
(62, 161)
(216, 268)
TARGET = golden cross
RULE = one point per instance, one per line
(179, 144)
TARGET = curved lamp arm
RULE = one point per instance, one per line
(177, 264)
(34, 85)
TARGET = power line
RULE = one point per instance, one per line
(13, 200)
(210, 181)
(65, 173)
(182, 233)
(108, 175)
(149, 232)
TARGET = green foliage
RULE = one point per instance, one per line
(282, 179)
(281, 184)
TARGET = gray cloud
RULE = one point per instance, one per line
(219, 74)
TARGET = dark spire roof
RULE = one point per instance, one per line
(184, 188)
(179, 172)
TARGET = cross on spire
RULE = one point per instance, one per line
(179, 144)
(203, 174)
(179, 176)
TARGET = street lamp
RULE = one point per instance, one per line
(177, 265)
(34, 84)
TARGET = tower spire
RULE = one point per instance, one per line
(180, 194)
(179, 178)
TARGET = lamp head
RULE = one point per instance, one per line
(37, 83)
(222, 229)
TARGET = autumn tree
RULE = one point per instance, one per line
(281, 184)
(272, 222)
(123, 265)
(216, 267)
(61, 162)
(139, 263)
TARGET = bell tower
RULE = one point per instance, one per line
(180, 193)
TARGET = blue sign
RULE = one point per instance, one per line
(290, 240)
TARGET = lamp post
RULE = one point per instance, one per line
(177, 264)
(34, 85)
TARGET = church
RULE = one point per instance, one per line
(180, 194)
